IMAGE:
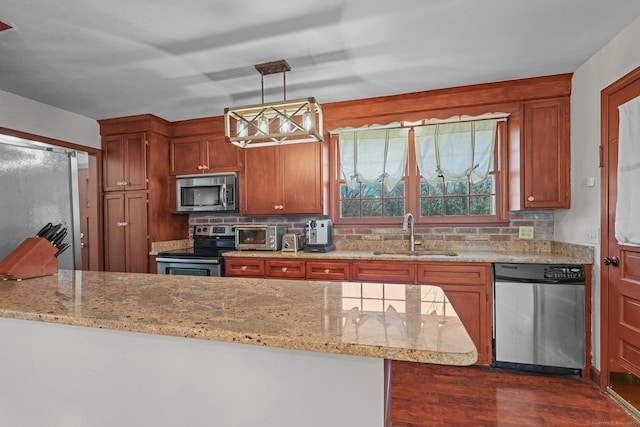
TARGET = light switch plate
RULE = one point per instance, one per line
(525, 232)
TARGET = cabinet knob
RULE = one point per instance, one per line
(326, 271)
(531, 198)
(199, 167)
(243, 268)
(284, 269)
(125, 183)
(124, 224)
(205, 167)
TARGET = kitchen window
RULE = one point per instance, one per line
(441, 172)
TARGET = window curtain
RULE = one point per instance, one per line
(377, 155)
(627, 227)
(455, 150)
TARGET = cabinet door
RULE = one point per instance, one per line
(260, 181)
(113, 163)
(126, 232)
(221, 156)
(392, 272)
(301, 178)
(467, 286)
(136, 232)
(186, 156)
(135, 165)
(471, 303)
(327, 270)
(124, 162)
(284, 269)
(114, 232)
(243, 267)
(546, 151)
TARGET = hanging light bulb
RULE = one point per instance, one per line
(263, 125)
(242, 128)
(285, 124)
(307, 120)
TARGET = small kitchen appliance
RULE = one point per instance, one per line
(204, 258)
(292, 242)
(319, 233)
(259, 237)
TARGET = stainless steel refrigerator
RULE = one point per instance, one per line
(38, 185)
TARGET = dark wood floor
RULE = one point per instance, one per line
(431, 395)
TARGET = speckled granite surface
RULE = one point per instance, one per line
(414, 323)
(428, 255)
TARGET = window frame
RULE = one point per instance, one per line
(412, 181)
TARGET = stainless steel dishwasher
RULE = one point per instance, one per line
(538, 317)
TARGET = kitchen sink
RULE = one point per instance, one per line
(416, 253)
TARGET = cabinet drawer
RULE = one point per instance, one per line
(285, 269)
(453, 273)
(244, 267)
(393, 272)
(327, 270)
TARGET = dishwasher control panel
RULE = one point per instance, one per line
(539, 272)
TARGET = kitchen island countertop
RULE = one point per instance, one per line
(390, 321)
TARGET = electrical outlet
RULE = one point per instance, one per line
(525, 232)
(593, 235)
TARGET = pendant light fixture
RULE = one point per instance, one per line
(274, 123)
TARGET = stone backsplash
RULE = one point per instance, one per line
(468, 237)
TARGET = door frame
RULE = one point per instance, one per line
(605, 211)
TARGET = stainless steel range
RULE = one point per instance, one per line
(205, 257)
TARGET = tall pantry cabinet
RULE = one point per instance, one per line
(138, 204)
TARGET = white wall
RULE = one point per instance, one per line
(620, 56)
(22, 114)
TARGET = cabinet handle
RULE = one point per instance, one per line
(243, 268)
(531, 198)
(284, 269)
(326, 271)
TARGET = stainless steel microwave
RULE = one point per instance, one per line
(207, 193)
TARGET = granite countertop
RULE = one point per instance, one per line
(391, 321)
(427, 255)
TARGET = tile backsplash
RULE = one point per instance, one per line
(503, 237)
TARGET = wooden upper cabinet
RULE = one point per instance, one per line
(545, 157)
(282, 180)
(125, 162)
(202, 154)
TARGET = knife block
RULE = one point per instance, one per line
(33, 258)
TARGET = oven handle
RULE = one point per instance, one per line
(188, 261)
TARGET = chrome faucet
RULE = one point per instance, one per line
(408, 218)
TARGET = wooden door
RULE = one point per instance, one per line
(301, 179)
(546, 154)
(136, 232)
(186, 156)
(260, 184)
(620, 272)
(114, 232)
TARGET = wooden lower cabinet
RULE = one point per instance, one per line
(284, 269)
(244, 267)
(328, 270)
(467, 285)
(384, 271)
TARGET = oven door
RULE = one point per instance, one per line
(190, 267)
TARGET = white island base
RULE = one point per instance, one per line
(60, 375)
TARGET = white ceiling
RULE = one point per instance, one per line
(192, 58)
